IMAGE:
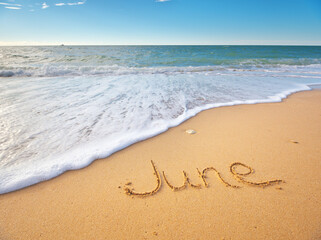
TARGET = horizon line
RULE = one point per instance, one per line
(62, 45)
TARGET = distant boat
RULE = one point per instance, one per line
(62, 45)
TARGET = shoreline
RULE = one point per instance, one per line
(278, 140)
(33, 180)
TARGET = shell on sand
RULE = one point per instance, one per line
(190, 131)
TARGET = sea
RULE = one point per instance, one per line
(62, 107)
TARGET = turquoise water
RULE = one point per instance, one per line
(59, 61)
(63, 107)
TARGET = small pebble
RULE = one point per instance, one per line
(190, 131)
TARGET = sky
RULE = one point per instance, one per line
(160, 22)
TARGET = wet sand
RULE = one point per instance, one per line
(278, 140)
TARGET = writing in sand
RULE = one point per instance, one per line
(240, 177)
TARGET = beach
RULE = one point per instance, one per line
(279, 141)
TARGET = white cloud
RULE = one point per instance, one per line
(76, 3)
(70, 4)
(44, 5)
(15, 8)
(162, 0)
(10, 4)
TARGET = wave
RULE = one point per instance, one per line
(54, 70)
(64, 107)
(13, 178)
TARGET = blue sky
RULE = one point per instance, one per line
(275, 22)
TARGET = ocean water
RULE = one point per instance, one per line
(63, 107)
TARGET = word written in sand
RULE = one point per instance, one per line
(240, 177)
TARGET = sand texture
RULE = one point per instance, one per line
(247, 172)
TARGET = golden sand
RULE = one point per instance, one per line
(248, 172)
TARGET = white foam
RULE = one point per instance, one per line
(73, 70)
(52, 125)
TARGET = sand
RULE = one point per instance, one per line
(278, 140)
